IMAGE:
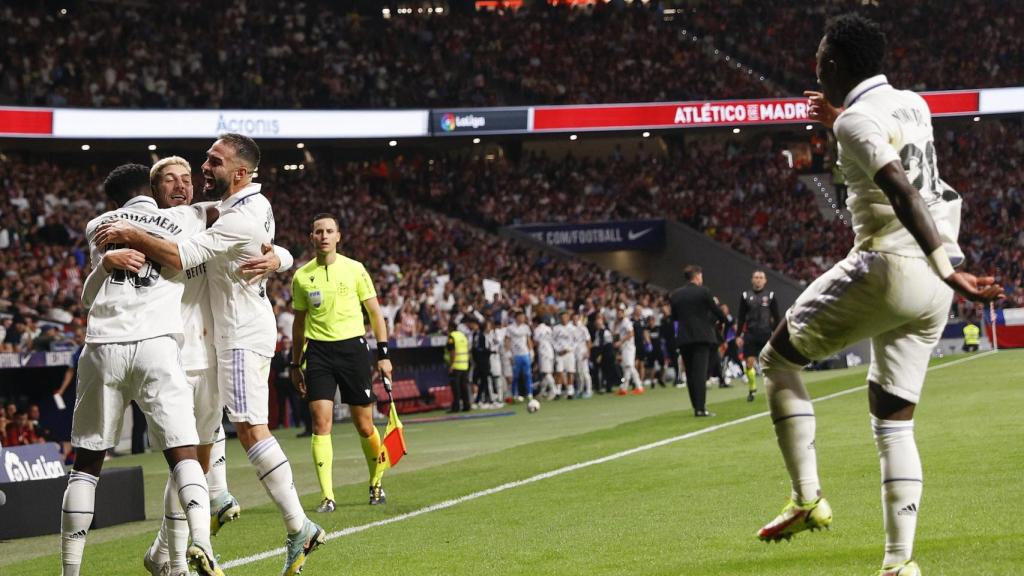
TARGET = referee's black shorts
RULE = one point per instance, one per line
(754, 343)
(343, 364)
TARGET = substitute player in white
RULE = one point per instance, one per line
(545, 358)
(581, 336)
(895, 287)
(245, 328)
(625, 341)
(131, 353)
(563, 338)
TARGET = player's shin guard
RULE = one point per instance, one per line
(901, 486)
(172, 540)
(217, 477)
(793, 418)
(323, 460)
(275, 473)
(76, 517)
(371, 449)
(194, 496)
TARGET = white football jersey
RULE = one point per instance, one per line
(242, 313)
(581, 339)
(198, 351)
(519, 336)
(881, 125)
(542, 339)
(564, 337)
(624, 333)
(129, 307)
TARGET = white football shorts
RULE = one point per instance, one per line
(206, 396)
(565, 363)
(243, 378)
(147, 371)
(896, 301)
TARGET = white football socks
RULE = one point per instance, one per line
(171, 541)
(275, 472)
(194, 496)
(76, 516)
(793, 417)
(217, 477)
(902, 483)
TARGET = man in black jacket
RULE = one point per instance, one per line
(695, 310)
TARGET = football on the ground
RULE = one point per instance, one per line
(533, 405)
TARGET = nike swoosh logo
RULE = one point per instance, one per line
(634, 235)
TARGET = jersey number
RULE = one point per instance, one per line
(921, 170)
(924, 175)
(146, 277)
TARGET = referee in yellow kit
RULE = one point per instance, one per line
(328, 337)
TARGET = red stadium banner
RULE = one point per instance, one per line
(713, 113)
(26, 122)
(957, 103)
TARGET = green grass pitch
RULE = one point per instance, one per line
(691, 506)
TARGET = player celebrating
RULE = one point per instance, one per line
(131, 353)
(895, 286)
(564, 339)
(759, 315)
(171, 182)
(245, 328)
(328, 296)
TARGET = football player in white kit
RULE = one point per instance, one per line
(244, 326)
(132, 353)
(563, 338)
(895, 287)
(495, 337)
(626, 343)
(171, 181)
(582, 348)
(545, 358)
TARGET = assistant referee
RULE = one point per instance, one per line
(328, 337)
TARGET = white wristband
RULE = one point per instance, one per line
(940, 263)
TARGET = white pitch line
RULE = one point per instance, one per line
(557, 472)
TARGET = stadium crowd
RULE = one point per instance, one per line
(779, 39)
(328, 56)
(324, 56)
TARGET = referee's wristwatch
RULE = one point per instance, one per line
(294, 365)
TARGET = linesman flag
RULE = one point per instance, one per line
(392, 447)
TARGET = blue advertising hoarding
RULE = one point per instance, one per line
(643, 235)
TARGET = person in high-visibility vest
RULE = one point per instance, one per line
(330, 352)
(971, 337)
(457, 358)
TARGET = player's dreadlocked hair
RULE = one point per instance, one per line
(126, 182)
(858, 41)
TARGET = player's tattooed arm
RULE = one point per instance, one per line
(156, 249)
(912, 212)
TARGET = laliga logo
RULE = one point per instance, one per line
(448, 122)
(19, 471)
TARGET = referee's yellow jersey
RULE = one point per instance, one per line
(332, 297)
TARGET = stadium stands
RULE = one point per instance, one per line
(779, 39)
(326, 57)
